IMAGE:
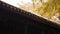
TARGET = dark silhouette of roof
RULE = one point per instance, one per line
(28, 14)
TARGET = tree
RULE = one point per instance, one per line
(49, 8)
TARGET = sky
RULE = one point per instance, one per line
(14, 2)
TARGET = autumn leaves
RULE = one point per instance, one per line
(48, 9)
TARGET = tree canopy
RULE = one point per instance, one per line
(49, 8)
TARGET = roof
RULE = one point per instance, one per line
(28, 15)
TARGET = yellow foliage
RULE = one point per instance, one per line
(50, 8)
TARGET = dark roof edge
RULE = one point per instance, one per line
(28, 15)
